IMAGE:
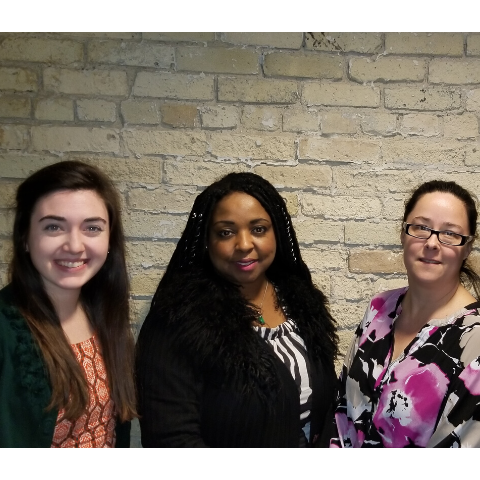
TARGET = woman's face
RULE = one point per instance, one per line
(429, 261)
(68, 239)
(241, 240)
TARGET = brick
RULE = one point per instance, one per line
(348, 315)
(261, 118)
(309, 65)
(345, 338)
(23, 165)
(14, 137)
(424, 125)
(344, 42)
(14, 107)
(322, 282)
(454, 71)
(472, 157)
(393, 206)
(86, 82)
(129, 53)
(384, 284)
(197, 37)
(382, 124)
(142, 225)
(351, 288)
(418, 151)
(341, 95)
(265, 39)
(18, 80)
(75, 139)
(6, 250)
(165, 142)
(3, 276)
(380, 261)
(473, 44)
(116, 35)
(311, 230)
(473, 100)
(323, 260)
(347, 180)
(143, 170)
(461, 126)
(149, 254)
(63, 52)
(447, 44)
(300, 120)
(179, 115)
(175, 86)
(59, 109)
(291, 200)
(198, 173)
(139, 309)
(140, 112)
(468, 180)
(368, 233)
(386, 69)
(145, 283)
(8, 192)
(252, 147)
(161, 200)
(219, 116)
(217, 60)
(91, 110)
(299, 176)
(6, 220)
(333, 122)
(254, 90)
(420, 98)
(338, 150)
(338, 207)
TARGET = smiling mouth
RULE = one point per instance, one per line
(432, 262)
(64, 263)
(245, 263)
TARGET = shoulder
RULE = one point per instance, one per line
(385, 303)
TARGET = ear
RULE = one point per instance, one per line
(468, 249)
(402, 238)
(26, 247)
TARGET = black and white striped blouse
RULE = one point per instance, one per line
(290, 348)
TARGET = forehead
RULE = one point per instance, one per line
(68, 203)
(239, 206)
(442, 206)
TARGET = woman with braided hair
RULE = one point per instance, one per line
(238, 348)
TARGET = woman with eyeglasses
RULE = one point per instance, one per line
(412, 375)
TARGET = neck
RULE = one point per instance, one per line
(66, 303)
(254, 292)
(423, 303)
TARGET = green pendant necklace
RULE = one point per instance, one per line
(261, 320)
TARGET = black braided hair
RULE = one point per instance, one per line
(288, 271)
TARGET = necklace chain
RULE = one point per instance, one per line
(261, 320)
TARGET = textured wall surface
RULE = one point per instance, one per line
(343, 124)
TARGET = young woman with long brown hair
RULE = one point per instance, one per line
(65, 343)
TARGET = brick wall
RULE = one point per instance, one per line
(343, 124)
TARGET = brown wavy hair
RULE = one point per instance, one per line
(104, 297)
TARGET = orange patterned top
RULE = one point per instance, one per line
(96, 427)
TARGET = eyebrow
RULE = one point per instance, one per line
(448, 224)
(231, 222)
(63, 219)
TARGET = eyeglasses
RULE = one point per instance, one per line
(444, 236)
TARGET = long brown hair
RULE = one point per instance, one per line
(104, 297)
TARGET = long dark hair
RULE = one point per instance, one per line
(467, 275)
(104, 297)
(288, 271)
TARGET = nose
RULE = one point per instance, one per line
(433, 241)
(74, 242)
(244, 241)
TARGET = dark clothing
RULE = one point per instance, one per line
(194, 395)
(25, 389)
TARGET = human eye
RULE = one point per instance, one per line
(94, 228)
(51, 227)
(259, 230)
(224, 233)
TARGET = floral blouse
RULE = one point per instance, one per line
(428, 397)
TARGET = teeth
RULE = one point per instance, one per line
(71, 264)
